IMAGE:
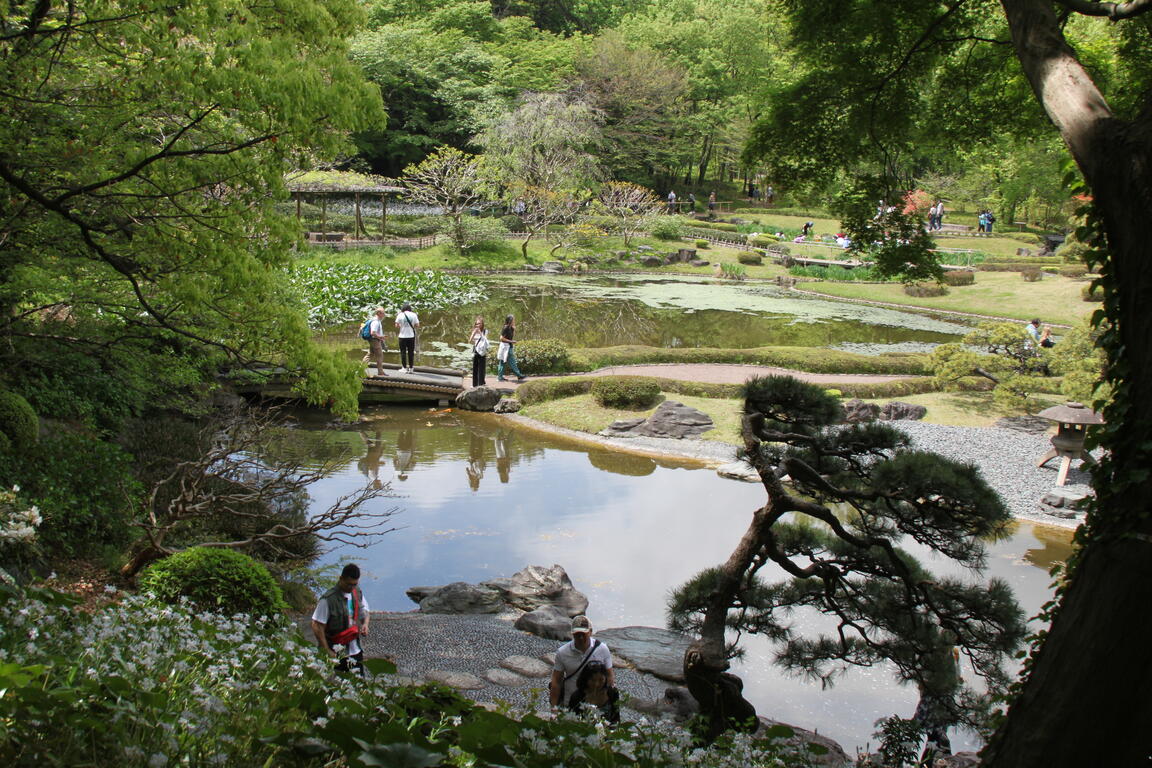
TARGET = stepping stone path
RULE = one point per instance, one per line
(461, 681)
(527, 666)
(514, 671)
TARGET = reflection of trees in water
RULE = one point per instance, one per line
(1057, 547)
(622, 463)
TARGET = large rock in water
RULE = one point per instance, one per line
(537, 586)
(478, 399)
(461, 597)
(671, 419)
(659, 652)
(547, 621)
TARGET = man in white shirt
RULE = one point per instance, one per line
(572, 657)
(341, 618)
(407, 322)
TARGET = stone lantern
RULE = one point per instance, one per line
(1068, 442)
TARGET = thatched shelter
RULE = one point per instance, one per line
(326, 184)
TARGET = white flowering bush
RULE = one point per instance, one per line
(18, 527)
(141, 684)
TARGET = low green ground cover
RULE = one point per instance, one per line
(813, 359)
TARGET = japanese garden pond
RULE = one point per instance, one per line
(478, 497)
(666, 311)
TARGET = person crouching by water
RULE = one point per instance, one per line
(592, 690)
(479, 343)
(341, 618)
(571, 660)
(506, 353)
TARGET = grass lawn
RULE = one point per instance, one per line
(1054, 299)
(583, 414)
(965, 409)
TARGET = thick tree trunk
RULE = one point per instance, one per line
(1085, 700)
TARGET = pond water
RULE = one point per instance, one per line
(665, 311)
(479, 498)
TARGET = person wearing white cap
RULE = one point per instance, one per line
(572, 657)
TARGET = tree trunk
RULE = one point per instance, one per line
(1085, 700)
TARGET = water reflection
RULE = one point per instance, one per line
(480, 500)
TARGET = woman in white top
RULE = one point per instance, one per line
(407, 322)
(479, 343)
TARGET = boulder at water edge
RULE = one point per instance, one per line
(536, 586)
(659, 652)
(547, 621)
(478, 399)
(461, 597)
(507, 405)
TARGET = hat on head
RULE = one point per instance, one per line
(581, 624)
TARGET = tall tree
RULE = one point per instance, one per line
(834, 528)
(455, 182)
(1087, 675)
(142, 148)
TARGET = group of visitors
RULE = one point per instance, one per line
(985, 221)
(936, 216)
(582, 675)
(407, 322)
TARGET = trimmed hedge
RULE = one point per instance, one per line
(1032, 274)
(959, 277)
(749, 257)
(635, 392)
(536, 356)
(216, 579)
(544, 390)
(812, 359)
(925, 290)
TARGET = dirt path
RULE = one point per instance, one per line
(719, 373)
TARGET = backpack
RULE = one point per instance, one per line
(366, 330)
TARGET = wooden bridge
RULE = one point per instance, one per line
(426, 384)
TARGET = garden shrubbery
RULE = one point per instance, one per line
(749, 257)
(84, 488)
(959, 277)
(925, 290)
(702, 244)
(762, 241)
(536, 356)
(666, 228)
(1032, 274)
(215, 579)
(632, 392)
(1092, 292)
(19, 425)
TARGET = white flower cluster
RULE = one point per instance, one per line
(18, 523)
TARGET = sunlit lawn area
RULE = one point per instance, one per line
(583, 414)
(1054, 299)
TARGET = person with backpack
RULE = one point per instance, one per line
(373, 332)
(573, 657)
(341, 619)
(407, 322)
(480, 344)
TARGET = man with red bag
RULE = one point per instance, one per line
(341, 618)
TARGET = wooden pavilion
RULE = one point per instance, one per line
(324, 185)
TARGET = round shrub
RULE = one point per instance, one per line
(536, 356)
(216, 579)
(925, 290)
(779, 248)
(19, 425)
(666, 228)
(635, 392)
(959, 277)
(749, 257)
(702, 244)
(1032, 274)
(762, 241)
(1074, 270)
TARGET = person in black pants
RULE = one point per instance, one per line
(479, 343)
(407, 322)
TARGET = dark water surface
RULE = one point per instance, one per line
(481, 499)
(672, 311)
